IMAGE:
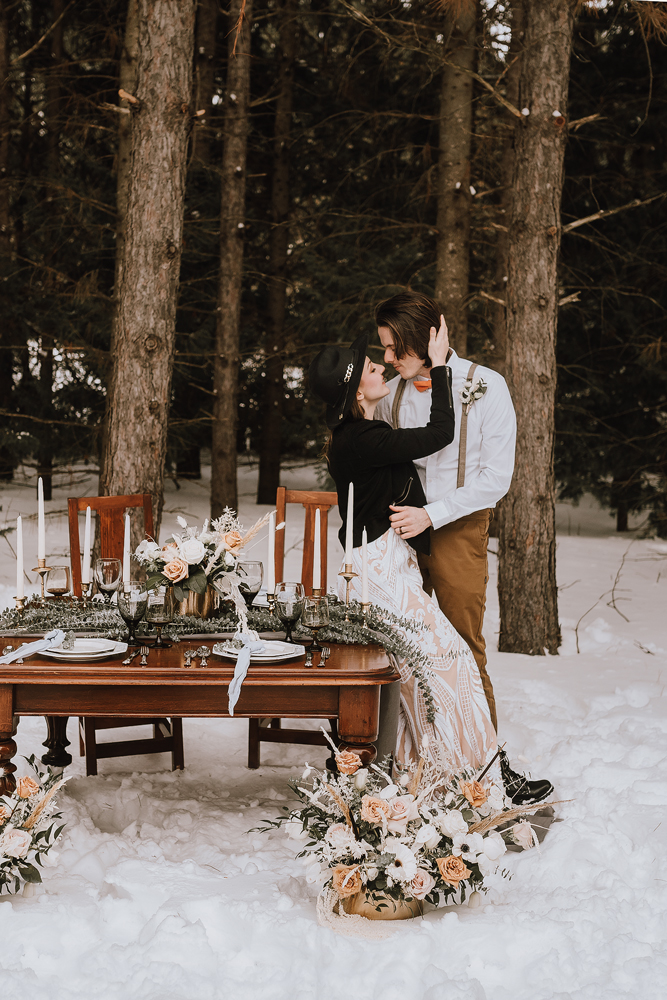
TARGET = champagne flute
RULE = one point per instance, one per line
(107, 576)
(315, 617)
(58, 581)
(252, 574)
(132, 604)
(290, 602)
(160, 611)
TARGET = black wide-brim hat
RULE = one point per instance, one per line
(334, 376)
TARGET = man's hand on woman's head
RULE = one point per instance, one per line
(409, 521)
(438, 345)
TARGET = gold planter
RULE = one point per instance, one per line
(363, 905)
(204, 605)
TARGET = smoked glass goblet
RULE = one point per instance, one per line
(252, 574)
(107, 576)
(132, 604)
(315, 617)
(290, 602)
(160, 611)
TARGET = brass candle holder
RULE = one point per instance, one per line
(86, 595)
(271, 598)
(42, 569)
(348, 575)
(20, 603)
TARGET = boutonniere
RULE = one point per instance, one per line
(472, 391)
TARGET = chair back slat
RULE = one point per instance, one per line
(110, 511)
(311, 500)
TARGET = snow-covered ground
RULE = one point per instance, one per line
(161, 892)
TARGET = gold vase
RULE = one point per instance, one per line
(200, 605)
(396, 909)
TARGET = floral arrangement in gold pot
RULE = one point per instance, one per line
(381, 844)
(29, 828)
(191, 559)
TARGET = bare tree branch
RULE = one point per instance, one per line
(46, 34)
(611, 211)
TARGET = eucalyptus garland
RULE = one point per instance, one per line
(381, 626)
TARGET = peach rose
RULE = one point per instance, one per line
(232, 539)
(474, 793)
(25, 787)
(176, 570)
(422, 884)
(4, 814)
(348, 762)
(374, 810)
(403, 809)
(346, 880)
(452, 870)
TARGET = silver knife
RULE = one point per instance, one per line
(130, 658)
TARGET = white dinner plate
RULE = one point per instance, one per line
(84, 647)
(72, 656)
(273, 650)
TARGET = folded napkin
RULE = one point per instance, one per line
(54, 638)
(251, 644)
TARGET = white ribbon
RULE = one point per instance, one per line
(251, 644)
(54, 638)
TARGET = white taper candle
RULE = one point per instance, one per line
(348, 525)
(126, 551)
(364, 567)
(317, 569)
(41, 522)
(19, 557)
(271, 556)
(85, 569)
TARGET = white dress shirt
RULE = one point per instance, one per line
(490, 444)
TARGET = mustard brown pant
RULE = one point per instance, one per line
(457, 571)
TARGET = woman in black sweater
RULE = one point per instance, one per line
(378, 460)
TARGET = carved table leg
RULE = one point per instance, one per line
(358, 721)
(57, 742)
(8, 725)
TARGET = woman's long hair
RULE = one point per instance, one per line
(355, 413)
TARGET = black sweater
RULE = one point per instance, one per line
(378, 460)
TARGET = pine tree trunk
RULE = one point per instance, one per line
(453, 185)
(145, 311)
(527, 542)
(127, 81)
(506, 200)
(232, 221)
(207, 15)
(274, 390)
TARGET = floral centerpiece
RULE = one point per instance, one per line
(28, 828)
(193, 559)
(383, 844)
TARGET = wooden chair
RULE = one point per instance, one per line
(270, 730)
(167, 734)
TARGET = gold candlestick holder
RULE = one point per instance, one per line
(271, 598)
(318, 592)
(348, 575)
(20, 602)
(86, 595)
(42, 569)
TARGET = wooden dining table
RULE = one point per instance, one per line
(347, 687)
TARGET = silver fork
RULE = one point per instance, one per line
(326, 653)
(143, 662)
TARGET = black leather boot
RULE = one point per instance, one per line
(522, 791)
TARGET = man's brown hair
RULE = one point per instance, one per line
(409, 316)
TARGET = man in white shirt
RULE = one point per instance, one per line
(462, 483)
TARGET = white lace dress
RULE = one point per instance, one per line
(462, 719)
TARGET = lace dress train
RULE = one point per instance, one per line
(462, 721)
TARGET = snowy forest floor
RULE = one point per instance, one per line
(161, 892)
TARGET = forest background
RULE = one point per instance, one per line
(297, 161)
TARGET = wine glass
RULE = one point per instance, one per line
(160, 611)
(58, 581)
(107, 576)
(252, 574)
(132, 604)
(315, 617)
(290, 600)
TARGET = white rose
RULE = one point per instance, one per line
(494, 846)
(486, 866)
(192, 551)
(496, 798)
(428, 836)
(361, 778)
(452, 823)
(295, 830)
(522, 834)
(15, 843)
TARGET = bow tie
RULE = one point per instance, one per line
(422, 386)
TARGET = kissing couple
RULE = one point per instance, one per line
(430, 453)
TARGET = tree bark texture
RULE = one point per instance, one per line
(527, 542)
(232, 222)
(453, 184)
(6, 229)
(207, 15)
(127, 80)
(148, 273)
(507, 195)
(274, 391)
